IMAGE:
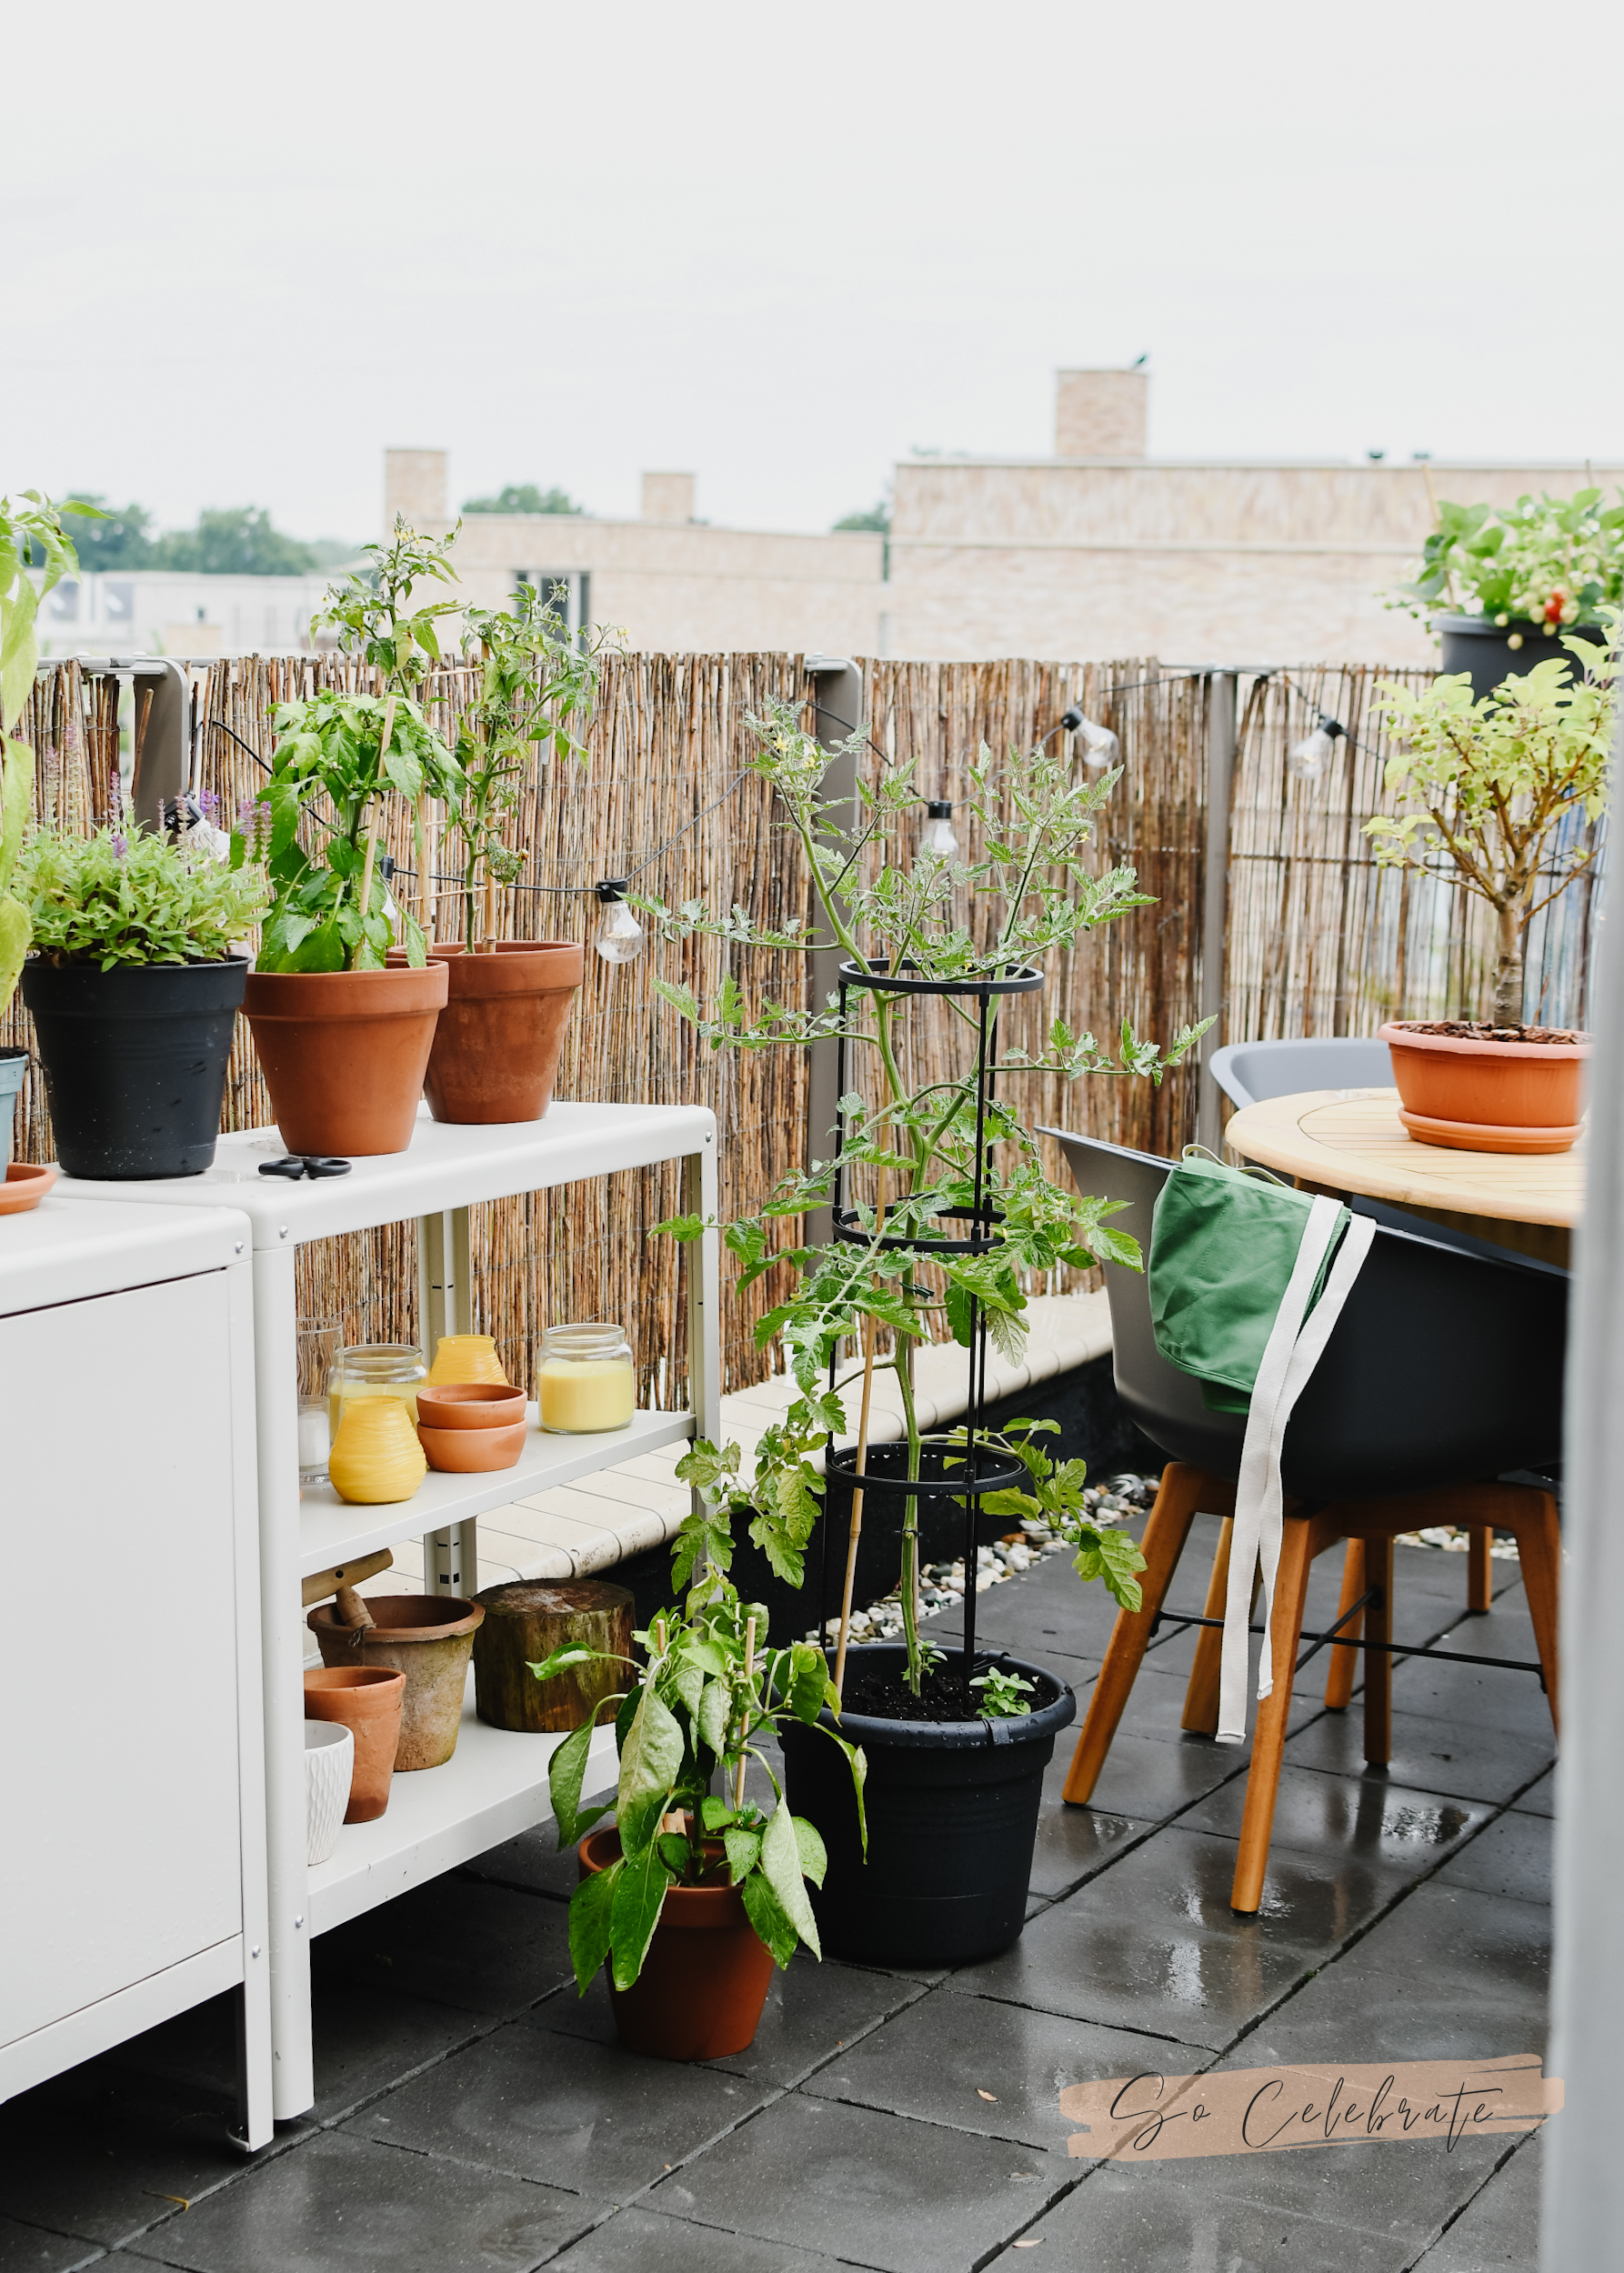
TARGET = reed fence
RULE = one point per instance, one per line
(1320, 940)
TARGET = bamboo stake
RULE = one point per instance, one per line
(376, 811)
(738, 1780)
(856, 1495)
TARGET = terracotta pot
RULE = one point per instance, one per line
(470, 1405)
(429, 1643)
(343, 1054)
(376, 1458)
(467, 1358)
(496, 1048)
(1475, 1096)
(25, 1186)
(472, 1451)
(367, 1699)
(706, 1977)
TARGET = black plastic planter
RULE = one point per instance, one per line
(952, 1810)
(1471, 643)
(134, 1061)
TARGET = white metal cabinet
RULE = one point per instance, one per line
(132, 1862)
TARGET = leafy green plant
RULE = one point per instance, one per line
(1056, 1498)
(1553, 561)
(538, 687)
(1489, 783)
(371, 614)
(1035, 892)
(709, 1688)
(31, 533)
(113, 899)
(1003, 1695)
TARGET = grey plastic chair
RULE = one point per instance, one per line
(1247, 1072)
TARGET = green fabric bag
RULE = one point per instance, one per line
(1223, 1242)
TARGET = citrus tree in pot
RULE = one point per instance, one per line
(1498, 789)
(343, 1036)
(940, 1202)
(698, 1891)
(496, 1048)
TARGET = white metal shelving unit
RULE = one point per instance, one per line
(496, 1783)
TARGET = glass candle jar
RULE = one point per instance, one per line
(376, 1370)
(320, 1341)
(586, 1381)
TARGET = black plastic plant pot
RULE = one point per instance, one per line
(1474, 643)
(952, 1810)
(135, 1062)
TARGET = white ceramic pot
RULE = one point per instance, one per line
(329, 1762)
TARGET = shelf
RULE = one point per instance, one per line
(330, 1531)
(494, 1786)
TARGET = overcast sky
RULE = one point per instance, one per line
(246, 248)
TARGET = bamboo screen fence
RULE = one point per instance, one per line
(1320, 940)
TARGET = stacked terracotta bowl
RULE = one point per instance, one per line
(470, 1427)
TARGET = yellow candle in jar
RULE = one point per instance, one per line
(359, 1389)
(580, 1396)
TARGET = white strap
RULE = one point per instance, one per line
(1289, 1360)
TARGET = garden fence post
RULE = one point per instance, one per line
(1220, 782)
(837, 690)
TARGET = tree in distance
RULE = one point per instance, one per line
(123, 540)
(228, 541)
(524, 497)
(877, 517)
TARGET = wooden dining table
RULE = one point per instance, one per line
(1343, 1141)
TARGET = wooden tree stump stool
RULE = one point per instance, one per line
(528, 1619)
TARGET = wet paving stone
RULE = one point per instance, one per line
(1450, 1756)
(1512, 1856)
(641, 2241)
(1367, 1817)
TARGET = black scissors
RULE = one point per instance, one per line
(294, 1165)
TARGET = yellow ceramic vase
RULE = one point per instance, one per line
(467, 1358)
(376, 1458)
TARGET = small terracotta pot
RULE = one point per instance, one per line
(467, 1358)
(1470, 1095)
(367, 1699)
(344, 1052)
(427, 1642)
(470, 1405)
(472, 1451)
(376, 1458)
(25, 1186)
(496, 1048)
(706, 1977)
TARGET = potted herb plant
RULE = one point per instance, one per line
(1496, 787)
(497, 1045)
(344, 1038)
(696, 1892)
(940, 1203)
(133, 987)
(1499, 582)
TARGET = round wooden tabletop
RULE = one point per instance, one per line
(1352, 1140)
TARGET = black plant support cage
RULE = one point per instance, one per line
(957, 1467)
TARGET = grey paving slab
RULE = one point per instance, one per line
(343, 2205)
(1334, 1816)
(1480, 1696)
(1148, 1778)
(1450, 1756)
(1171, 2217)
(530, 1862)
(1073, 1843)
(1498, 2230)
(1156, 1704)
(1152, 1943)
(30, 2249)
(641, 2241)
(1512, 1856)
(589, 2117)
(1540, 1798)
(868, 2186)
(94, 2153)
(937, 2060)
(459, 1941)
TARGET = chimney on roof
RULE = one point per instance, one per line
(1100, 414)
(667, 497)
(414, 486)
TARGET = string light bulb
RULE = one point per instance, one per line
(938, 838)
(1308, 758)
(621, 936)
(1100, 746)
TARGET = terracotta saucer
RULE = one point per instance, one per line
(1489, 1135)
(25, 1186)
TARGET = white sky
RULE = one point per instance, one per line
(782, 246)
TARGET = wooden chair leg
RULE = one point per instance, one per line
(1480, 1568)
(1184, 1488)
(1201, 1691)
(1539, 1545)
(1297, 1548)
(1379, 1665)
(1345, 1663)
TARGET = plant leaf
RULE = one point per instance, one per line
(766, 1914)
(814, 1855)
(591, 1912)
(650, 1763)
(639, 1897)
(744, 1852)
(565, 1772)
(781, 1865)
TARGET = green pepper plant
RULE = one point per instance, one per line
(1031, 881)
(708, 1689)
(1551, 561)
